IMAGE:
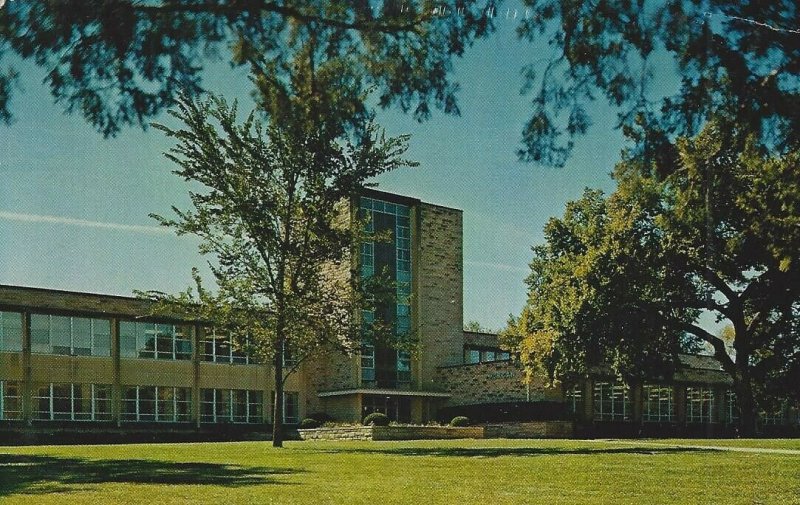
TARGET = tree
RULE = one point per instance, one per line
(122, 62)
(476, 327)
(623, 279)
(738, 58)
(274, 215)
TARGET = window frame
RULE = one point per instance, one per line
(93, 334)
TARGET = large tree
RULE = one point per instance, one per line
(121, 62)
(624, 279)
(274, 216)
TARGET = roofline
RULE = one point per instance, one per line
(383, 391)
(70, 292)
(402, 199)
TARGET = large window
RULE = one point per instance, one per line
(731, 407)
(163, 404)
(10, 400)
(77, 336)
(231, 406)
(611, 401)
(657, 405)
(72, 402)
(403, 367)
(10, 331)
(155, 341)
(368, 363)
(574, 399)
(217, 347)
(699, 404)
(291, 406)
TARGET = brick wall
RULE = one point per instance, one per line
(541, 429)
(439, 290)
(500, 381)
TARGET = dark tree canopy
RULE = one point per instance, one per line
(737, 58)
(121, 62)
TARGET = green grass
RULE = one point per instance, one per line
(771, 443)
(437, 472)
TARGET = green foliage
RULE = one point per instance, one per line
(122, 62)
(376, 419)
(623, 279)
(732, 57)
(459, 421)
(310, 423)
(476, 327)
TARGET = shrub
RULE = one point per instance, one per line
(309, 423)
(460, 421)
(376, 419)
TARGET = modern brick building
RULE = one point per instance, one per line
(89, 361)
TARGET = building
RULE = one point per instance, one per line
(72, 357)
(89, 362)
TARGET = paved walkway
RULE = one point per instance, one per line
(757, 450)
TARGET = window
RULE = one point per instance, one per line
(72, 402)
(368, 363)
(657, 405)
(291, 408)
(574, 399)
(10, 331)
(217, 347)
(611, 401)
(699, 404)
(474, 354)
(10, 400)
(76, 336)
(403, 367)
(731, 407)
(231, 406)
(163, 404)
(155, 341)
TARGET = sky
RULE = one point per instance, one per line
(74, 206)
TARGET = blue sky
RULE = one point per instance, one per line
(74, 206)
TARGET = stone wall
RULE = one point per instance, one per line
(425, 432)
(338, 433)
(438, 275)
(541, 429)
(391, 433)
(493, 382)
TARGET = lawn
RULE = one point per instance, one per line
(438, 472)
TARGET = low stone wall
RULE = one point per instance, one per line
(543, 429)
(426, 432)
(538, 429)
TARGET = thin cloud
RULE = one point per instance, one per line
(497, 266)
(82, 223)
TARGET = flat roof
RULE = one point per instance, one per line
(383, 392)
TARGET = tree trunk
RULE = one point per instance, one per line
(746, 402)
(277, 400)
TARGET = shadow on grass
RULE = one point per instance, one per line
(23, 474)
(494, 452)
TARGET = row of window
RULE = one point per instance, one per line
(80, 336)
(92, 402)
(72, 402)
(612, 402)
(473, 355)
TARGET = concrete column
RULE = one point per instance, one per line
(116, 387)
(27, 386)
